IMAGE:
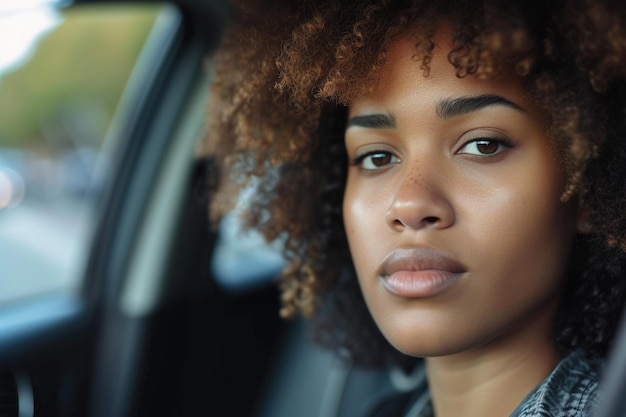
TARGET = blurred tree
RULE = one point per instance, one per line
(79, 69)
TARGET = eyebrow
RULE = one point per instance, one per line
(446, 109)
(451, 107)
(372, 121)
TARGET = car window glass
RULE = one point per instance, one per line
(62, 74)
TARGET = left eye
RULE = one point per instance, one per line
(482, 147)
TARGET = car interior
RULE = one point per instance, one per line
(118, 298)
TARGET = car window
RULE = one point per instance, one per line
(61, 79)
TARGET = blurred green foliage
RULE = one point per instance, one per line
(83, 64)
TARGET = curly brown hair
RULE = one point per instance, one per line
(286, 71)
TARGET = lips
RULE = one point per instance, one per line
(419, 272)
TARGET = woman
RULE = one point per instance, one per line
(465, 160)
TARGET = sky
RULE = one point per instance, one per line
(22, 22)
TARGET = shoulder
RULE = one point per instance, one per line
(570, 391)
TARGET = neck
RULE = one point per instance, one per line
(494, 378)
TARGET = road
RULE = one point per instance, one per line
(42, 247)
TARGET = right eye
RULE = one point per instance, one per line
(375, 160)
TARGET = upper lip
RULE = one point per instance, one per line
(419, 259)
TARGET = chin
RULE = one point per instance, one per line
(428, 351)
(428, 344)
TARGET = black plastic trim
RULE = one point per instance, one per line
(34, 325)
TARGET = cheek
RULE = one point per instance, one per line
(364, 211)
(525, 233)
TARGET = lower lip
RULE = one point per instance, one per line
(419, 284)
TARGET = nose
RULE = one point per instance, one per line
(420, 202)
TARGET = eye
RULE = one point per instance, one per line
(375, 160)
(483, 147)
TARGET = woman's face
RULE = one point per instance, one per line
(452, 206)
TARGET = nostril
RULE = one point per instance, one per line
(431, 219)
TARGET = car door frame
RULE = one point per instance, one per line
(77, 336)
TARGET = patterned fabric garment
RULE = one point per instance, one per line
(569, 391)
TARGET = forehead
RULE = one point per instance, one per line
(402, 80)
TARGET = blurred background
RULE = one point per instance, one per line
(61, 80)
